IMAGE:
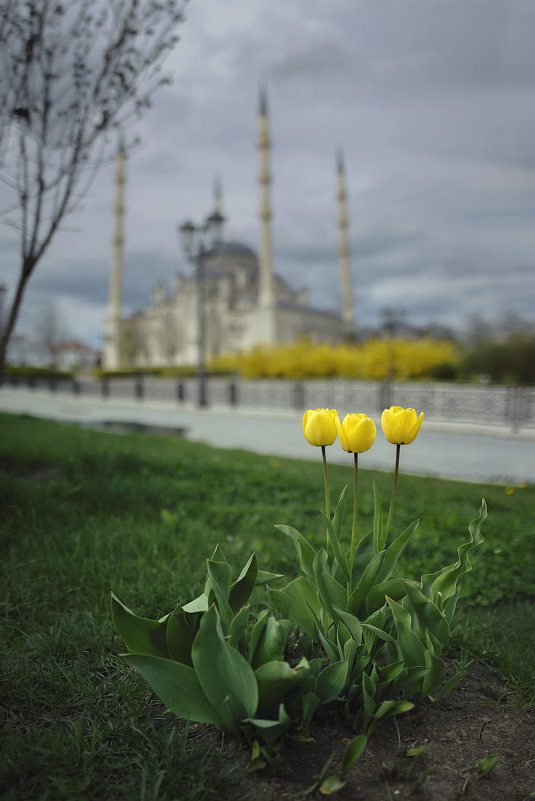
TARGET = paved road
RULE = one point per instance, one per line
(474, 453)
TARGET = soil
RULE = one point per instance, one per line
(477, 719)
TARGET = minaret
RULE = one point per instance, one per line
(217, 219)
(345, 268)
(218, 195)
(266, 288)
(112, 354)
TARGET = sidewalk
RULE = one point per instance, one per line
(449, 450)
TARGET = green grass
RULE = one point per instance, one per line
(84, 512)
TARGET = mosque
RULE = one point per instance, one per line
(233, 301)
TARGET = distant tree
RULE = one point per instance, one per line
(71, 73)
(511, 360)
(479, 331)
(482, 330)
(49, 331)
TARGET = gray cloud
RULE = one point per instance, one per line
(432, 103)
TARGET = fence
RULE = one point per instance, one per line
(467, 403)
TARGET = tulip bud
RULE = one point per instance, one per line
(401, 426)
(356, 432)
(319, 427)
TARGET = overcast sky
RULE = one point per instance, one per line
(433, 105)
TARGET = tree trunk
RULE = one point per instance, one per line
(5, 336)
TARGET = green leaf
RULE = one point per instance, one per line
(305, 552)
(342, 635)
(227, 679)
(319, 778)
(389, 673)
(256, 633)
(353, 752)
(333, 528)
(309, 703)
(395, 588)
(351, 622)
(390, 708)
(272, 641)
(220, 576)
(263, 577)
(239, 622)
(178, 687)
(350, 651)
(335, 544)
(275, 680)
(383, 635)
(272, 730)
(338, 517)
(411, 647)
(426, 614)
(180, 633)
(219, 556)
(364, 551)
(444, 582)
(360, 593)
(378, 528)
(368, 695)
(331, 785)
(330, 648)
(257, 762)
(414, 752)
(298, 602)
(411, 681)
(378, 620)
(387, 710)
(487, 764)
(330, 681)
(450, 684)
(436, 673)
(199, 604)
(395, 549)
(140, 634)
(241, 589)
(331, 592)
(273, 757)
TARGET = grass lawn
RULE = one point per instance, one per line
(84, 512)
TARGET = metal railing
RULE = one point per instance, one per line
(512, 406)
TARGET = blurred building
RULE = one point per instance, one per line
(75, 355)
(233, 295)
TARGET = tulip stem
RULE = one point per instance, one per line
(394, 489)
(355, 511)
(326, 481)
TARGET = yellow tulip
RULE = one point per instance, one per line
(319, 427)
(356, 432)
(401, 426)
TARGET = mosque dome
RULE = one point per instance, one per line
(231, 250)
(236, 260)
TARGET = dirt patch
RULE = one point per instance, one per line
(475, 720)
(42, 474)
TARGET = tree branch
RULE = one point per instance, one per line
(69, 75)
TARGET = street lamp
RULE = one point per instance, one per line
(393, 321)
(195, 241)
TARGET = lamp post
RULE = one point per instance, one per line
(393, 321)
(196, 239)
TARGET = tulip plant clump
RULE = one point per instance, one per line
(259, 659)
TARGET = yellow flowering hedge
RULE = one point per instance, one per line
(409, 358)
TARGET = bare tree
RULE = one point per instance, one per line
(71, 73)
(49, 331)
